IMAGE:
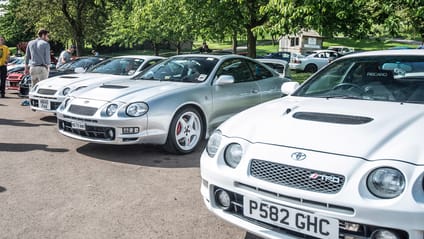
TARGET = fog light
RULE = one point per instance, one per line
(383, 234)
(223, 199)
(130, 130)
(353, 227)
(111, 134)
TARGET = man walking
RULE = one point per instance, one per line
(37, 57)
(4, 58)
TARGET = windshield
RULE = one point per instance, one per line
(382, 78)
(80, 62)
(181, 69)
(118, 66)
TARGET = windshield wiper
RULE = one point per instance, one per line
(341, 97)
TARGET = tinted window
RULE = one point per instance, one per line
(238, 68)
(118, 66)
(180, 69)
(259, 72)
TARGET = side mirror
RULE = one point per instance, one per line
(224, 80)
(287, 88)
(79, 70)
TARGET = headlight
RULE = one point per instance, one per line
(111, 109)
(386, 182)
(65, 103)
(66, 91)
(137, 109)
(213, 143)
(233, 154)
(33, 89)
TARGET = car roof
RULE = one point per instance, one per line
(146, 57)
(406, 52)
(272, 60)
(219, 57)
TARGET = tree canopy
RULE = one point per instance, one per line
(128, 23)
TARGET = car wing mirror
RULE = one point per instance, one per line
(287, 88)
(79, 70)
(225, 80)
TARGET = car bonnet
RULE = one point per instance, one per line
(377, 130)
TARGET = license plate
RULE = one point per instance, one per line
(292, 219)
(78, 125)
(44, 104)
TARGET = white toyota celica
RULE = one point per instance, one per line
(340, 157)
(48, 94)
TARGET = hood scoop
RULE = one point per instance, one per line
(332, 118)
(114, 86)
(69, 77)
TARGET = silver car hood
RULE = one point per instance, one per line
(130, 90)
(394, 132)
(61, 81)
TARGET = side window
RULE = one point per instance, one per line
(237, 68)
(259, 72)
(149, 63)
(277, 67)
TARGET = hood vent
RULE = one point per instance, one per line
(114, 86)
(332, 118)
(69, 77)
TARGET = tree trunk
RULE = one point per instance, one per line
(178, 45)
(251, 43)
(235, 43)
(155, 48)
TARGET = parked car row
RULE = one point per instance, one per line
(337, 157)
(15, 71)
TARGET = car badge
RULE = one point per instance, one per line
(298, 156)
(86, 102)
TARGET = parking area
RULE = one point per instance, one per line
(56, 187)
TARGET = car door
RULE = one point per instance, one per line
(229, 99)
(269, 84)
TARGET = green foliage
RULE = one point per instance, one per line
(129, 23)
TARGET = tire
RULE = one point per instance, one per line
(185, 132)
(312, 68)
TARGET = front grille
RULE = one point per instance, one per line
(92, 132)
(82, 110)
(295, 177)
(46, 92)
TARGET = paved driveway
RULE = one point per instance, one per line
(56, 187)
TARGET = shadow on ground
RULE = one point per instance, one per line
(29, 147)
(49, 119)
(143, 155)
(20, 123)
(2, 189)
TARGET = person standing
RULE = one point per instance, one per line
(65, 56)
(37, 57)
(4, 58)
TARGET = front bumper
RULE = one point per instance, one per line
(359, 214)
(45, 103)
(117, 131)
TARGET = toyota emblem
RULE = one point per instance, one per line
(298, 156)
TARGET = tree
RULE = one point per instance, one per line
(13, 29)
(65, 19)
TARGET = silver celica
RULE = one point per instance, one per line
(176, 103)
